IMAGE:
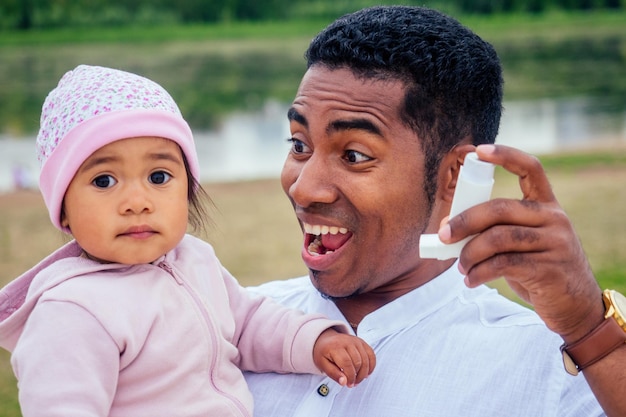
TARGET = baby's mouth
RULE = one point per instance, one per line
(322, 240)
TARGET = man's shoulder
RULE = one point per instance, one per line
(288, 291)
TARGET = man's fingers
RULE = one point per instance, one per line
(500, 211)
(536, 207)
(532, 178)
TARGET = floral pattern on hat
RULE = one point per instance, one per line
(89, 91)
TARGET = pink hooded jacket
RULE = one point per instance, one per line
(161, 339)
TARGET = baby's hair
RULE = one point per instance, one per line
(198, 201)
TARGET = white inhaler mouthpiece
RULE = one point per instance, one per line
(473, 187)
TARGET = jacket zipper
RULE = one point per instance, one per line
(212, 333)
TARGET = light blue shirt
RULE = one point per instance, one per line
(442, 350)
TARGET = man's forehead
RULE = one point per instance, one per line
(340, 94)
(339, 78)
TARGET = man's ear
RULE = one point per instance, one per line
(449, 170)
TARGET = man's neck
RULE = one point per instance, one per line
(356, 307)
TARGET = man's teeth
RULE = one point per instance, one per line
(316, 248)
(323, 230)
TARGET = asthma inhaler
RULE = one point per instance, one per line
(473, 187)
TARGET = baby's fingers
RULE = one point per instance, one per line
(368, 359)
(349, 363)
(346, 359)
(333, 366)
(358, 364)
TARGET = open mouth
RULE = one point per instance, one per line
(322, 240)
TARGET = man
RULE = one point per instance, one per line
(392, 101)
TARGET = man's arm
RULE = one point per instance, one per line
(532, 244)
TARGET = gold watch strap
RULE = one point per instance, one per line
(601, 341)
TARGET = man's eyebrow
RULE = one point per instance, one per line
(359, 124)
(337, 125)
(294, 116)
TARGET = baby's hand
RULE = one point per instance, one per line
(346, 359)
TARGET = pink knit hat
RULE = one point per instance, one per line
(92, 107)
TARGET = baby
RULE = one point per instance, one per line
(135, 316)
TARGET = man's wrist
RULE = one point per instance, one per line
(602, 340)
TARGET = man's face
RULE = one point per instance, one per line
(354, 176)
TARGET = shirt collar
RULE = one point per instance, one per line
(406, 310)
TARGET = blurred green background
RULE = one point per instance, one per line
(216, 57)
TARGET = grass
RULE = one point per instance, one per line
(213, 70)
(257, 238)
(164, 33)
(553, 25)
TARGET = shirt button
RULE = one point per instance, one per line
(323, 390)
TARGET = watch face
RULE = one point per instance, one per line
(620, 303)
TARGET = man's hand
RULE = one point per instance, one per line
(346, 359)
(532, 244)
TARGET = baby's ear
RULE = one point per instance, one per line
(64, 222)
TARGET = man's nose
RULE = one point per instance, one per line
(311, 181)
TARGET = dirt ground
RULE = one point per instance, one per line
(257, 237)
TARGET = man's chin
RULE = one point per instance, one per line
(315, 279)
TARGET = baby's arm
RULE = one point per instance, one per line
(346, 359)
(66, 363)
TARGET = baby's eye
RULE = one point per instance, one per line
(104, 181)
(159, 177)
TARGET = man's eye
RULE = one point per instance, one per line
(297, 146)
(104, 181)
(354, 157)
(159, 177)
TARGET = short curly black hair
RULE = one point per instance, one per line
(453, 77)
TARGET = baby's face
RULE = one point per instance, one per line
(128, 201)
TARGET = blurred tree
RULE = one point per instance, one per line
(261, 10)
(27, 14)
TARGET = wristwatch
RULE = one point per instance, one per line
(602, 340)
